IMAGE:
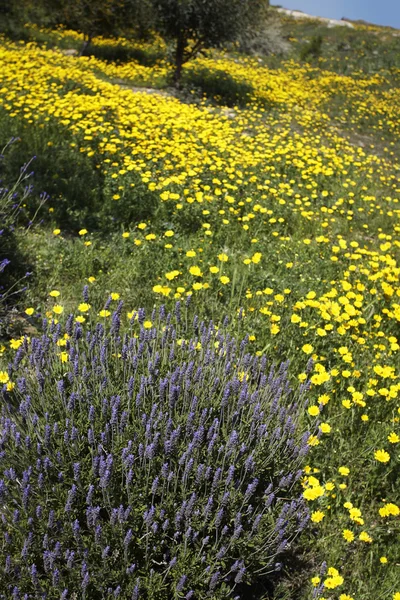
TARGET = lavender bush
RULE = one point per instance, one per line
(160, 464)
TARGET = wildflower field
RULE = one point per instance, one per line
(259, 204)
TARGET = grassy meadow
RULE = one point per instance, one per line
(268, 190)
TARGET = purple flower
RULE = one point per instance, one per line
(70, 499)
(181, 583)
(251, 488)
(240, 574)
(214, 580)
(128, 538)
(77, 469)
(136, 590)
(34, 576)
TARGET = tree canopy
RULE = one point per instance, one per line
(197, 24)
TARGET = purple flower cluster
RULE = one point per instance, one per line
(167, 461)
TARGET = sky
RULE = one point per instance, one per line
(380, 12)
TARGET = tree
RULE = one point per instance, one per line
(194, 25)
(92, 18)
(265, 36)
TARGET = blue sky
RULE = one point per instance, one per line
(382, 12)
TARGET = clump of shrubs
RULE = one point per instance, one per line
(162, 463)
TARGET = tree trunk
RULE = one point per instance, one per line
(179, 58)
(86, 43)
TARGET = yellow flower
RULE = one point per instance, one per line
(364, 537)
(84, 307)
(190, 253)
(80, 319)
(91, 279)
(58, 309)
(196, 271)
(147, 324)
(393, 438)
(313, 493)
(333, 582)
(142, 226)
(104, 313)
(323, 399)
(56, 231)
(82, 232)
(114, 296)
(171, 275)
(63, 356)
(344, 471)
(355, 515)
(389, 509)
(345, 597)
(224, 279)
(214, 270)
(295, 319)
(315, 581)
(126, 234)
(325, 428)
(4, 378)
(10, 386)
(383, 560)
(307, 348)
(313, 410)
(223, 257)
(54, 293)
(29, 311)
(348, 535)
(317, 516)
(169, 233)
(313, 440)
(382, 456)
(15, 344)
(396, 596)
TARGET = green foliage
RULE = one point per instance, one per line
(14, 198)
(313, 49)
(219, 86)
(70, 178)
